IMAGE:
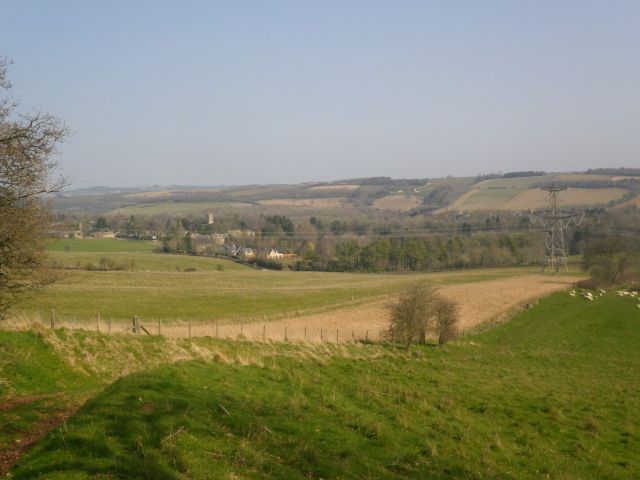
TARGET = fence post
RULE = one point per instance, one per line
(109, 325)
(53, 318)
(353, 335)
(217, 329)
(136, 324)
(240, 327)
(285, 333)
(189, 322)
(158, 326)
(366, 335)
(98, 322)
(321, 335)
(264, 332)
(305, 333)
(337, 334)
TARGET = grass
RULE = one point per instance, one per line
(104, 245)
(155, 285)
(554, 393)
(208, 293)
(138, 262)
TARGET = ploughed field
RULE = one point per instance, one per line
(551, 393)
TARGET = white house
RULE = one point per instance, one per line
(274, 254)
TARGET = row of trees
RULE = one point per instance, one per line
(426, 253)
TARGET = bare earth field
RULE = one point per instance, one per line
(479, 303)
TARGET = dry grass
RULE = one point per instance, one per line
(397, 202)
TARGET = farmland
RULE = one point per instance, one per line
(542, 395)
(176, 287)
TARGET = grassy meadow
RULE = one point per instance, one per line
(553, 393)
(161, 286)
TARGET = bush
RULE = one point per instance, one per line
(612, 261)
(421, 310)
(446, 320)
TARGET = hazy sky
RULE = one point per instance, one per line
(244, 92)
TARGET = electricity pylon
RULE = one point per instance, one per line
(555, 221)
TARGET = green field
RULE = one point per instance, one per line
(208, 293)
(554, 393)
(154, 285)
(105, 245)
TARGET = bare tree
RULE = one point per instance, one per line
(419, 311)
(27, 144)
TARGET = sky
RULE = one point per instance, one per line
(243, 92)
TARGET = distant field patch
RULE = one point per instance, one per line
(397, 202)
(334, 187)
(519, 193)
(159, 194)
(303, 202)
(143, 261)
(176, 208)
(101, 245)
(536, 198)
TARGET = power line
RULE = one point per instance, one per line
(555, 221)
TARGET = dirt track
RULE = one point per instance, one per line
(479, 303)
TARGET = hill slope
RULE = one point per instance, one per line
(554, 393)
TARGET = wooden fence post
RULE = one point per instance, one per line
(321, 336)
(366, 335)
(136, 324)
(189, 323)
(158, 326)
(285, 333)
(109, 325)
(264, 332)
(337, 335)
(305, 333)
(53, 318)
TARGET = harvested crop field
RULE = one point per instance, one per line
(397, 202)
(303, 202)
(479, 302)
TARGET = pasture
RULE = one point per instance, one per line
(553, 393)
(176, 289)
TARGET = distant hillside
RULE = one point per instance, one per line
(603, 187)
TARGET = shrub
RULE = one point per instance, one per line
(420, 310)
